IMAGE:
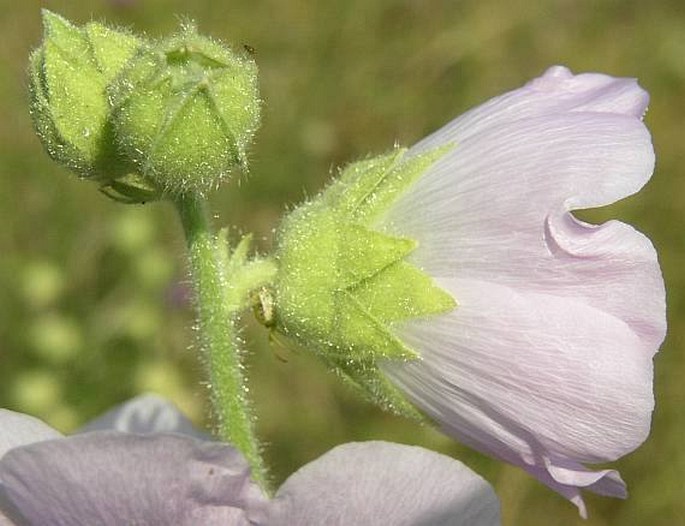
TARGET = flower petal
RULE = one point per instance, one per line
(571, 160)
(110, 478)
(17, 429)
(380, 483)
(538, 380)
(495, 209)
(556, 91)
(569, 481)
(522, 171)
(546, 363)
(147, 413)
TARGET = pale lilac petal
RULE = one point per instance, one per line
(494, 201)
(496, 209)
(557, 91)
(380, 483)
(146, 413)
(110, 478)
(546, 362)
(570, 480)
(549, 159)
(541, 381)
(17, 429)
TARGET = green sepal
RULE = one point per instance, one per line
(402, 292)
(68, 76)
(39, 108)
(373, 385)
(110, 49)
(368, 253)
(343, 287)
(365, 336)
(70, 93)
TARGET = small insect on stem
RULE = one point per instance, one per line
(264, 308)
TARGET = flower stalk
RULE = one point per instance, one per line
(218, 303)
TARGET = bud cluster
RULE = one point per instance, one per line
(142, 118)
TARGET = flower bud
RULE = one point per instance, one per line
(68, 76)
(185, 111)
(342, 286)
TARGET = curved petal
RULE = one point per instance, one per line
(571, 479)
(557, 91)
(537, 380)
(579, 159)
(380, 483)
(510, 179)
(146, 413)
(546, 363)
(17, 429)
(495, 209)
(110, 478)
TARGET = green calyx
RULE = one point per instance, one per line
(68, 78)
(343, 287)
(144, 119)
(185, 110)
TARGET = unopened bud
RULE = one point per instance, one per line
(185, 111)
(68, 77)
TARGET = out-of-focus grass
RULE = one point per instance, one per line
(92, 294)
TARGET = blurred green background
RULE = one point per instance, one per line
(93, 295)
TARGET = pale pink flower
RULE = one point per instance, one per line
(144, 463)
(547, 361)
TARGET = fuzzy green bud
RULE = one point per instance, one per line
(343, 286)
(68, 78)
(185, 111)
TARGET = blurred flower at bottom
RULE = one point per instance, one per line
(144, 463)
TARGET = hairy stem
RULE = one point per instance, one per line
(218, 333)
